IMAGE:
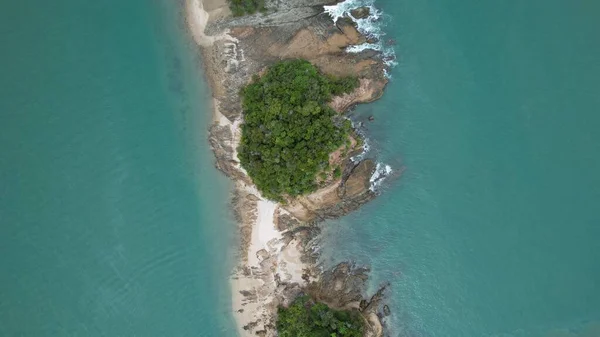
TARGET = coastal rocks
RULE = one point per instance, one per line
(372, 40)
(342, 288)
(357, 184)
(336, 199)
(279, 13)
(386, 310)
(277, 260)
(309, 42)
(286, 5)
(221, 140)
(244, 210)
(322, 43)
(360, 13)
(367, 91)
(284, 221)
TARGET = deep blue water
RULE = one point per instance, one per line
(493, 228)
(113, 221)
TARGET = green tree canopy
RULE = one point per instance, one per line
(305, 318)
(242, 7)
(288, 130)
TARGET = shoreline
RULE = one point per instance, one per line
(266, 262)
(276, 262)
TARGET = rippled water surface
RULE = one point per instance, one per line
(113, 221)
(493, 113)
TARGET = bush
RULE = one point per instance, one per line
(242, 7)
(305, 318)
(337, 172)
(289, 131)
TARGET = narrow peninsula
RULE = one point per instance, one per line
(281, 79)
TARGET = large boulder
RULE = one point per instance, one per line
(361, 12)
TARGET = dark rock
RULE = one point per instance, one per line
(375, 300)
(246, 293)
(353, 192)
(372, 40)
(340, 286)
(262, 254)
(284, 222)
(360, 13)
(369, 54)
(250, 326)
(306, 276)
(343, 287)
(358, 182)
(386, 310)
(371, 118)
(220, 139)
(345, 21)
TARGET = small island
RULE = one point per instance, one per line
(289, 131)
(281, 80)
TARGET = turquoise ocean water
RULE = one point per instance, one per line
(493, 229)
(113, 221)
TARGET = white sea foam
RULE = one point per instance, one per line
(371, 26)
(366, 147)
(360, 47)
(381, 172)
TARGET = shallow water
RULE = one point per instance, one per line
(113, 220)
(492, 230)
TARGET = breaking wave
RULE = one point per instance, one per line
(371, 27)
(357, 126)
(381, 172)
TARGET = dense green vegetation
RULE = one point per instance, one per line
(242, 7)
(305, 318)
(288, 129)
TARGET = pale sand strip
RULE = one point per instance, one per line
(198, 18)
(263, 232)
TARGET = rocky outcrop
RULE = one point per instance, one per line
(244, 206)
(360, 13)
(367, 91)
(337, 199)
(317, 39)
(230, 63)
(343, 287)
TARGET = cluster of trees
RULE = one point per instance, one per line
(242, 7)
(305, 318)
(289, 131)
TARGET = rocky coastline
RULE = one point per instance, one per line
(277, 260)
